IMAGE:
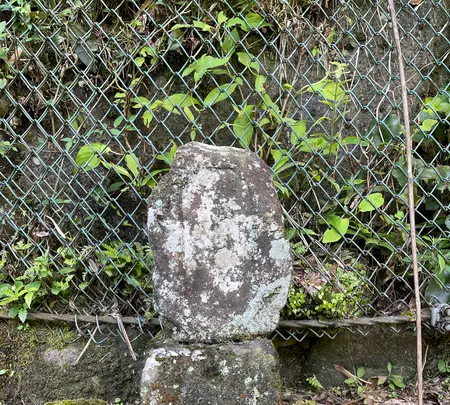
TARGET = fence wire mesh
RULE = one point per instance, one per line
(95, 97)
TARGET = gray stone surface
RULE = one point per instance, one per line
(222, 264)
(379, 346)
(229, 374)
(63, 357)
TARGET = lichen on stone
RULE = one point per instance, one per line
(222, 264)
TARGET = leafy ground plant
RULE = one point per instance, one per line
(314, 383)
(393, 381)
(336, 293)
(55, 275)
(356, 381)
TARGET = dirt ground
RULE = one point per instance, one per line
(436, 392)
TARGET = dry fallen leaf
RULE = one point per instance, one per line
(40, 234)
(15, 57)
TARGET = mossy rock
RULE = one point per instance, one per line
(80, 401)
(41, 367)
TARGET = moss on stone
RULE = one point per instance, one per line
(18, 347)
(40, 364)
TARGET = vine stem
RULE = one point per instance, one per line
(411, 204)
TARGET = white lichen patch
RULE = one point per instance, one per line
(153, 213)
(279, 250)
(263, 311)
(240, 232)
(174, 241)
(201, 183)
(198, 355)
(62, 357)
(155, 359)
(256, 396)
(224, 370)
(226, 274)
(204, 297)
(151, 372)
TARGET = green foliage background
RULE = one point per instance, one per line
(96, 98)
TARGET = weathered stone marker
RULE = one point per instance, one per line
(222, 264)
(222, 273)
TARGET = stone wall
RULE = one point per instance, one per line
(40, 361)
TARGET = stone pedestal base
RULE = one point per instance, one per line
(222, 374)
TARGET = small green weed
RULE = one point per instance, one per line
(6, 372)
(5, 147)
(443, 366)
(132, 173)
(393, 381)
(356, 381)
(314, 383)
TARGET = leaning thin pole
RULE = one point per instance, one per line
(412, 219)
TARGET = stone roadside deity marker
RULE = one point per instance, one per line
(222, 274)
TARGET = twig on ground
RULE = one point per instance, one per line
(86, 346)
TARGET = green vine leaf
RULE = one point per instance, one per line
(219, 94)
(328, 89)
(167, 156)
(119, 169)
(254, 20)
(274, 109)
(147, 117)
(230, 41)
(132, 162)
(281, 160)
(428, 124)
(178, 100)
(29, 299)
(22, 314)
(259, 83)
(139, 61)
(338, 228)
(140, 102)
(118, 121)
(189, 115)
(360, 372)
(298, 132)
(243, 126)
(232, 22)
(203, 65)
(248, 61)
(13, 311)
(221, 17)
(203, 26)
(178, 26)
(371, 202)
(250, 21)
(87, 157)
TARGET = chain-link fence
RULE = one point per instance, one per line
(97, 95)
